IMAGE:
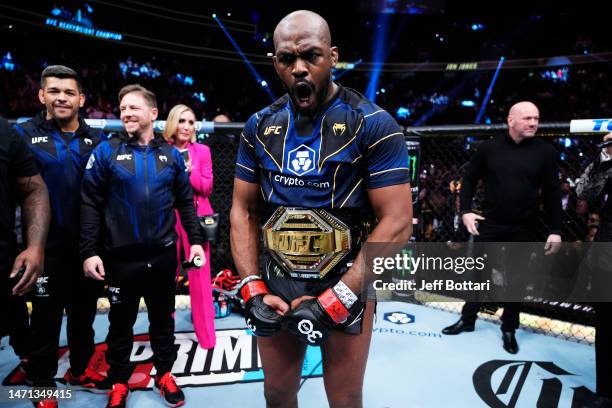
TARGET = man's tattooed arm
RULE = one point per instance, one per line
(35, 209)
(36, 213)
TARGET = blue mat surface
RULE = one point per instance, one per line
(410, 365)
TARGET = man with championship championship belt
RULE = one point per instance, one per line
(314, 170)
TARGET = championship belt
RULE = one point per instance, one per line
(307, 243)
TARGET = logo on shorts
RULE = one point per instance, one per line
(41, 286)
(301, 160)
(306, 327)
(339, 127)
(115, 294)
(399, 317)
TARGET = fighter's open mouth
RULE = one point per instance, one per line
(303, 91)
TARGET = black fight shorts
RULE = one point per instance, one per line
(287, 288)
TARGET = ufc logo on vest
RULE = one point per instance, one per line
(40, 139)
(124, 157)
(272, 129)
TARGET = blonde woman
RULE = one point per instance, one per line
(180, 131)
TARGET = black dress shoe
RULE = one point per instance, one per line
(510, 344)
(459, 327)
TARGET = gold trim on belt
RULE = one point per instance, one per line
(307, 243)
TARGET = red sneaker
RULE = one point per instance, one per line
(48, 403)
(90, 380)
(170, 392)
(117, 397)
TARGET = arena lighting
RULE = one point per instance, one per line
(248, 63)
(402, 112)
(477, 27)
(468, 103)
(436, 99)
(199, 96)
(184, 79)
(7, 62)
(560, 74)
(379, 48)
(483, 105)
(439, 100)
(129, 67)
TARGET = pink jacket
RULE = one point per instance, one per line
(201, 177)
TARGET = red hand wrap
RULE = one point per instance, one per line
(333, 306)
(253, 288)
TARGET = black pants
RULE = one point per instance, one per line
(5, 295)
(128, 281)
(63, 286)
(14, 318)
(490, 232)
(19, 331)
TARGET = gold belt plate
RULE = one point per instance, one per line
(307, 243)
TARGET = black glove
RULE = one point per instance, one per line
(260, 318)
(309, 322)
(313, 319)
